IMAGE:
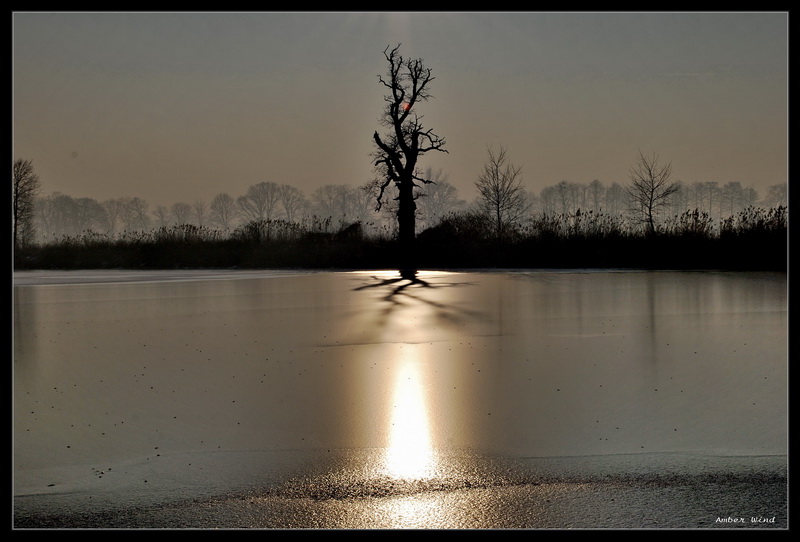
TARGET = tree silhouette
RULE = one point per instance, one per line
(502, 195)
(222, 211)
(650, 187)
(398, 151)
(292, 200)
(25, 186)
(181, 212)
(200, 210)
(438, 199)
(259, 202)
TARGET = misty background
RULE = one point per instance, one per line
(158, 114)
(331, 208)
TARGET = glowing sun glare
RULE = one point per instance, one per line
(410, 454)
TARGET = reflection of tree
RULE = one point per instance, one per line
(409, 286)
(397, 285)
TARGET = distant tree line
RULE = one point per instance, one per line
(328, 208)
(718, 200)
(331, 207)
(567, 224)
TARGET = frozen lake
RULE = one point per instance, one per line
(139, 388)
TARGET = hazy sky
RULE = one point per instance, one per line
(182, 106)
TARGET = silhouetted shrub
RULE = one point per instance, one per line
(752, 239)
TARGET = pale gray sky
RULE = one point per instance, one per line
(182, 106)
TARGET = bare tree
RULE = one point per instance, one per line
(776, 196)
(90, 215)
(386, 213)
(259, 202)
(133, 212)
(712, 191)
(343, 204)
(25, 187)
(200, 209)
(535, 204)
(328, 202)
(62, 214)
(731, 199)
(162, 215)
(566, 196)
(181, 212)
(44, 212)
(437, 199)
(113, 208)
(597, 194)
(548, 198)
(502, 196)
(222, 211)
(750, 197)
(679, 200)
(397, 153)
(616, 199)
(650, 187)
(360, 203)
(291, 199)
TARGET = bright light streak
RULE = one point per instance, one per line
(410, 454)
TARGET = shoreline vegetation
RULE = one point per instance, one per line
(755, 239)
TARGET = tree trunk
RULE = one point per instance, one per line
(406, 230)
(406, 214)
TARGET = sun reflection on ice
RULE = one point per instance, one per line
(410, 454)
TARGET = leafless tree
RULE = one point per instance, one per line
(535, 203)
(113, 209)
(133, 212)
(397, 153)
(776, 196)
(679, 200)
(548, 200)
(259, 202)
(222, 212)
(291, 199)
(328, 202)
(200, 210)
(343, 204)
(437, 199)
(501, 194)
(89, 215)
(361, 203)
(650, 187)
(25, 188)
(616, 199)
(57, 215)
(750, 197)
(712, 191)
(181, 212)
(731, 199)
(162, 215)
(567, 199)
(597, 193)
(386, 214)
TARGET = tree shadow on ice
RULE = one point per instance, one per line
(409, 290)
